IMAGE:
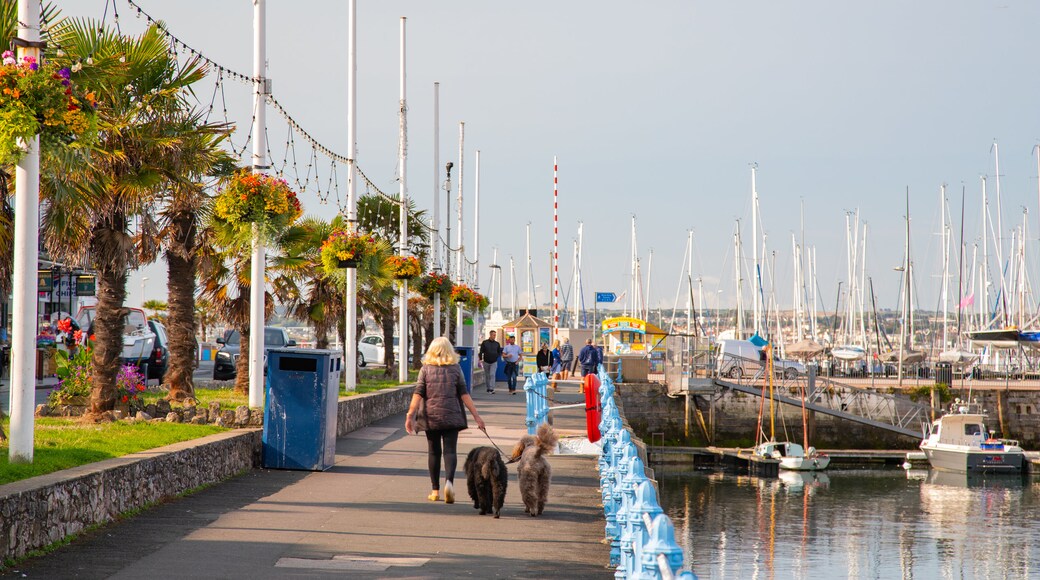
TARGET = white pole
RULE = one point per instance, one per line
(946, 267)
(577, 277)
(646, 298)
(26, 252)
(476, 221)
(530, 274)
(690, 325)
(402, 298)
(556, 250)
(985, 258)
(258, 259)
(512, 287)
(739, 334)
(350, 349)
(458, 236)
(755, 281)
(496, 272)
(435, 234)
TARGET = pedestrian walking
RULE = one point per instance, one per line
(556, 365)
(589, 358)
(443, 389)
(490, 351)
(566, 357)
(513, 357)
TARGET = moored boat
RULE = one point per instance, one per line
(793, 456)
(958, 441)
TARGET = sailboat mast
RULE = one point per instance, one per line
(689, 278)
(984, 309)
(946, 267)
(739, 332)
(755, 283)
(906, 291)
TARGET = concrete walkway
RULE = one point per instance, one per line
(368, 517)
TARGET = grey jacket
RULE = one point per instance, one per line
(442, 387)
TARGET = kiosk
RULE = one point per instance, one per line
(530, 332)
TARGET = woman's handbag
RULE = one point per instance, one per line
(420, 417)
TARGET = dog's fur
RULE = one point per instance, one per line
(486, 479)
(534, 471)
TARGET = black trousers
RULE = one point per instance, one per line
(442, 442)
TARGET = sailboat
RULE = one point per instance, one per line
(792, 456)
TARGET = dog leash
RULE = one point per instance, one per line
(503, 453)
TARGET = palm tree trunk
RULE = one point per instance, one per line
(386, 321)
(108, 325)
(180, 324)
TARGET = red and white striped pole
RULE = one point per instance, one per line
(556, 251)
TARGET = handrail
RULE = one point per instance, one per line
(641, 536)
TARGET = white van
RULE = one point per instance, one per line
(737, 358)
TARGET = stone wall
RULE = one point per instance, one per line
(648, 409)
(37, 512)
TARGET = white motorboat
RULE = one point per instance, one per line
(793, 456)
(848, 352)
(958, 441)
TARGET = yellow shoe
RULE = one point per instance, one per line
(434, 496)
(449, 493)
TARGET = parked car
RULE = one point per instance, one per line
(138, 337)
(370, 350)
(224, 364)
(159, 361)
(737, 358)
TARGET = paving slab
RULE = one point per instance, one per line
(367, 517)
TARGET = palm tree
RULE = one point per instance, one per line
(379, 215)
(178, 224)
(314, 298)
(141, 89)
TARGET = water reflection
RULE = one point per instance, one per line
(857, 524)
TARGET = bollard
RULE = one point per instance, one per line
(623, 541)
(536, 391)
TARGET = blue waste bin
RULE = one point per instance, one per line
(300, 408)
(466, 362)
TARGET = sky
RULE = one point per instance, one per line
(657, 110)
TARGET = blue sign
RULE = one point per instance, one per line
(605, 297)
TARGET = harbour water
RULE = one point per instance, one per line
(857, 524)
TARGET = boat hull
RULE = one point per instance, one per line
(817, 463)
(974, 460)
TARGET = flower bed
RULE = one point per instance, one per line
(404, 267)
(469, 297)
(41, 99)
(434, 283)
(344, 249)
(255, 198)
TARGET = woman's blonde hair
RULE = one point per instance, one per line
(441, 353)
(556, 343)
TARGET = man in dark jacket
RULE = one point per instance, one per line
(589, 358)
(490, 350)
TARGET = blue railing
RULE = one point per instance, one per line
(536, 389)
(641, 536)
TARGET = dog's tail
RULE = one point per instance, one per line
(546, 438)
(522, 444)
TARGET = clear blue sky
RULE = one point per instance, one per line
(657, 109)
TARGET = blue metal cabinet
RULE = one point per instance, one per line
(300, 408)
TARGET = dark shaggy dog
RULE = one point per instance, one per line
(533, 471)
(486, 478)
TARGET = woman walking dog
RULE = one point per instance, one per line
(443, 388)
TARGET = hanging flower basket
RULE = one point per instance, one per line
(255, 198)
(432, 284)
(469, 297)
(41, 99)
(343, 249)
(404, 267)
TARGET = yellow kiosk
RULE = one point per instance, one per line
(639, 343)
(529, 332)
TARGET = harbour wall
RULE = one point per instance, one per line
(731, 419)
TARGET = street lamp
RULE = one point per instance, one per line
(143, 280)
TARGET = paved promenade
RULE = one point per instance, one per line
(368, 517)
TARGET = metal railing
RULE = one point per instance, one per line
(868, 406)
(641, 536)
